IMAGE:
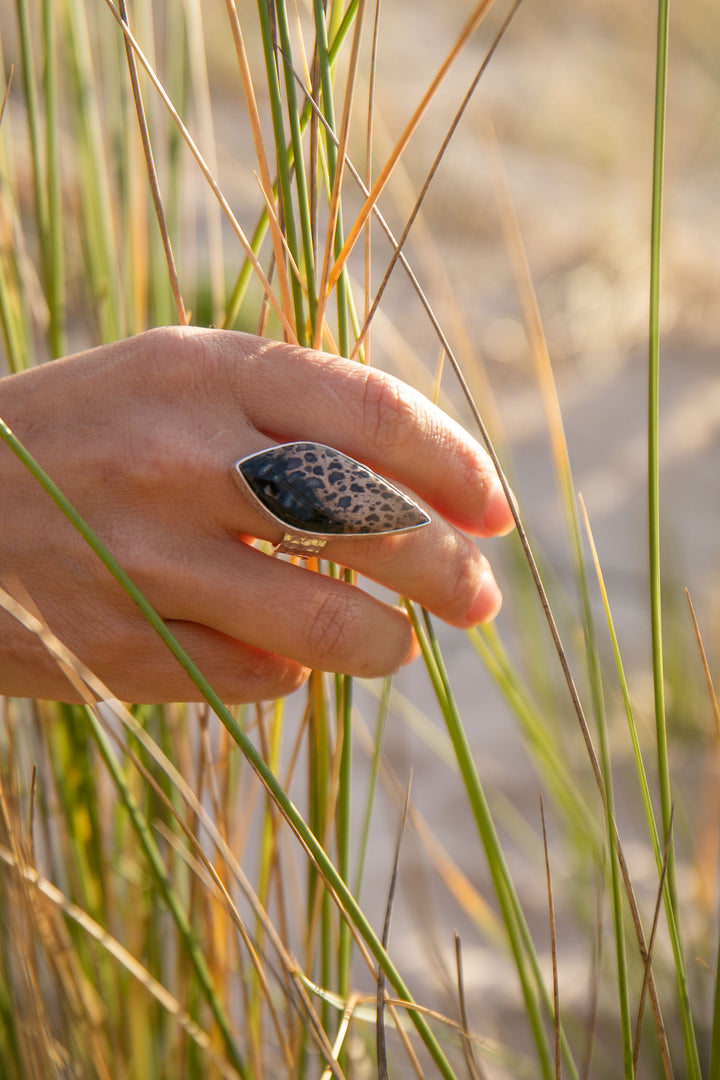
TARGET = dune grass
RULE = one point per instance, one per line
(199, 891)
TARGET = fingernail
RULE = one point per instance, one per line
(498, 519)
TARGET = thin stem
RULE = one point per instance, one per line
(691, 1051)
(55, 261)
(152, 175)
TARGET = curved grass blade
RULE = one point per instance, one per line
(519, 939)
(344, 897)
(113, 947)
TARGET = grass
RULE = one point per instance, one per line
(198, 891)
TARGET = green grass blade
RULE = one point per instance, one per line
(653, 424)
(301, 186)
(541, 742)
(641, 773)
(99, 233)
(55, 260)
(283, 163)
(692, 1061)
(309, 841)
(343, 819)
(372, 784)
(534, 992)
(39, 165)
(162, 879)
(13, 309)
(328, 111)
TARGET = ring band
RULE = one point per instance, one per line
(315, 493)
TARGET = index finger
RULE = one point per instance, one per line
(292, 393)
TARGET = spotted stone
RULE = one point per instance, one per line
(315, 489)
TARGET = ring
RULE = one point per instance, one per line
(315, 493)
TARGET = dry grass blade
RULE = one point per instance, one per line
(342, 1034)
(369, 160)
(651, 945)
(279, 240)
(81, 677)
(172, 1006)
(516, 244)
(431, 174)
(634, 910)
(260, 153)
(473, 1066)
(380, 1022)
(553, 946)
(323, 290)
(459, 886)
(594, 999)
(39, 1049)
(399, 148)
(209, 876)
(546, 381)
(393, 243)
(204, 168)
(152, 175)
(86, 683)
(705, 665)
(31, 814)
(7, 92)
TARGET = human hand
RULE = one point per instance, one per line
(142, 435)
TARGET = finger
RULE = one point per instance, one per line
(438, 566)
(140, 668)
(315, 620)
(238, 672)
(291, 393)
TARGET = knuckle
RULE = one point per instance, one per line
(389, 411)
(463, 585)
(267, 677)
(331, 628)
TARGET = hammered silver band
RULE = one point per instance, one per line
(305, 547)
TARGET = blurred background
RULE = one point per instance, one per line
(562, 123)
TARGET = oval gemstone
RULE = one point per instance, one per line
(316, 489)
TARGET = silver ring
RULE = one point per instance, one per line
(315, 493)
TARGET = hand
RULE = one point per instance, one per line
(141, 437)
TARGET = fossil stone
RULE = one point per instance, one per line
(312, 488)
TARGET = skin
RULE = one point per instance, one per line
(141, 436)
